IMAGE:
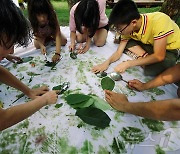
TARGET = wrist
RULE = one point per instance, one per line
(42, 101)
(130, 63)
(28, 92)
(146, 86)
(57, 54)
(127, 107)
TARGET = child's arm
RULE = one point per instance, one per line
(115, 56)
(18, 113)
(39, 44)
(73, 41)
(170, 75)
(11, 80)
(158, 56)
(159, 110)
(57, 55)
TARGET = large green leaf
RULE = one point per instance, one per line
(107, 83)
(76, 98)
(94, 116)
(101, 103)
(84, 104)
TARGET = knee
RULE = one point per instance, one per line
(36, 45)
(100, 43)
(64, 42)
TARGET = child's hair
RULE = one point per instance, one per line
(123, 13)
(36, 7)
(87, 14)
(14, 28)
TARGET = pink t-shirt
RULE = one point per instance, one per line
(103, 18)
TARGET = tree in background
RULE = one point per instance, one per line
(171, 8)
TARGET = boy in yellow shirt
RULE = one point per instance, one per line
(154, 37)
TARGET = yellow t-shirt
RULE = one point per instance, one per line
(156, 26)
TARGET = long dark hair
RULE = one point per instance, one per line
(87, 14)
(14, 28)
(36, 7)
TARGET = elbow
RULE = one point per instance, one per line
(159, 58)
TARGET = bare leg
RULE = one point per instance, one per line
(63, 40)
(80, 38)
(138, 51)
(100, 37)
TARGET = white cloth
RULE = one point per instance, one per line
(58, 130)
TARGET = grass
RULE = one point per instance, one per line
(62, 12)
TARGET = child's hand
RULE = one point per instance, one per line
(100, 68)
(50, 97)
(72, 47)
(55, 58)
(117, 100)
(34, 93)
(83, 49)
(43, 49)
(13, 58)
(122, 67)
(136, 85)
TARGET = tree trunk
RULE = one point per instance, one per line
(171, 8)
(72, 2)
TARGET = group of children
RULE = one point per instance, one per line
(153, 37)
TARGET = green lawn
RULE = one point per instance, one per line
(62, 11)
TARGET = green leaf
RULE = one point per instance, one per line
(107, 83)
(25, 60)
(73, 55)
(76, 98)
(50, 64)
(101, 103)
(32, 74)
(154, 125)
(94, 116)
(58, 105)
(84, 104)
(59, 87)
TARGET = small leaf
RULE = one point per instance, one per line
(25, 60)
(107, 83)
(101, 103)
(32, 74)
(59, 87)
(50, 64)
(76, 98)
(94, 116)
(47, 107)
(73, 55)
(58, 105)
(84, 104)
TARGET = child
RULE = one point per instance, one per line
(87, 20)
(152, 33)
(18, 34)
(45, 26)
